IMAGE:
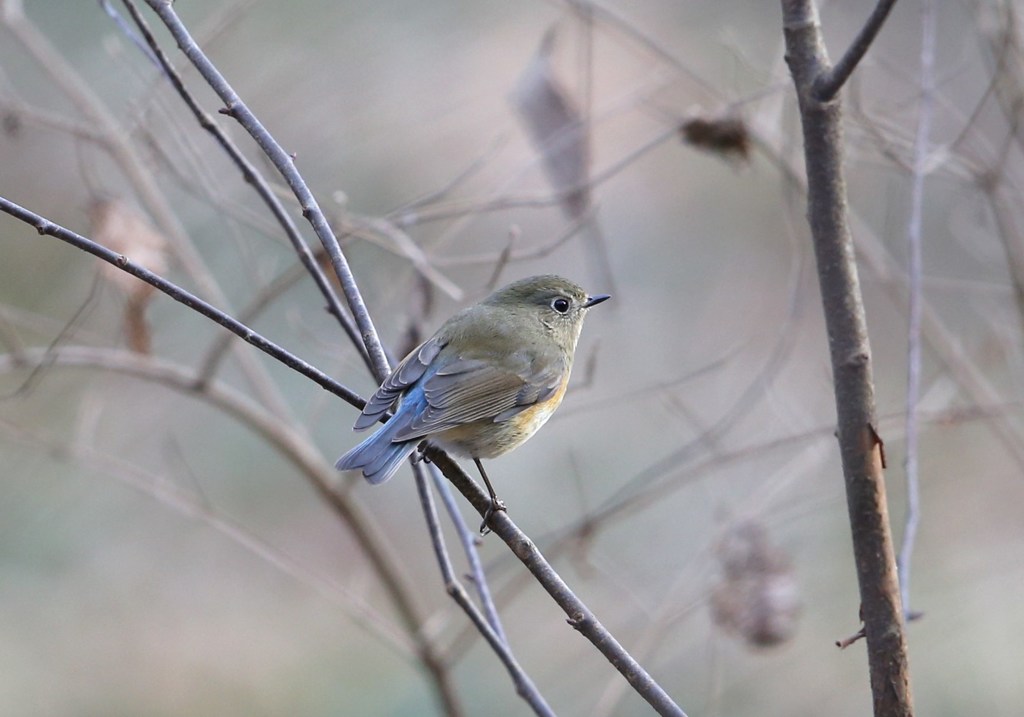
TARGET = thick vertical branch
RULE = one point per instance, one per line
(851, 362)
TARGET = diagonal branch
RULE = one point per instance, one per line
(252, 176)
(285, 164)
(45, 226)
(580, 616)
(468, 539)
(117, 140)
(191, 506)
(829, 82)
(307, 461)
(523, 684)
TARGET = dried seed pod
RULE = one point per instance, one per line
(120, 228)
(727, 137)
(757, 597)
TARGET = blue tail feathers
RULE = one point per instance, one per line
(378, 457)
(379, 465)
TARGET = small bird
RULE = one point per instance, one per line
(483, 384)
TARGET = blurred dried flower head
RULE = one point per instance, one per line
(726, 136)
(12, 124)
(119, 227)
(757, 597)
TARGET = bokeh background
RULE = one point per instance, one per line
(159, 556)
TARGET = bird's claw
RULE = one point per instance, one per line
(420, 454)
(496, 506)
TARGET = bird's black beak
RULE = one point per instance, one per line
(596, 299)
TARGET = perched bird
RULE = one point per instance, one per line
(483, 384)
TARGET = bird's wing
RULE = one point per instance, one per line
(468, 389)
(406, 374)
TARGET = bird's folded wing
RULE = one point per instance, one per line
(407, 373)
(468, 390)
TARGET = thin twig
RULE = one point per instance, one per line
(252, 176)
(196, 507)
(250, 312)
(468, 538)
(461, 208)
(306, 459)
(401, 244)
(674, 602)
(285, 164)
(830, 82)
(611, 19)
(118, 142)
(9, 337)
(523, 684)
(474, 167)
(508, 255)
(25, 113)
(45, 226)
(580, 616)
(144, 46)
(66, 331)
(915, 270)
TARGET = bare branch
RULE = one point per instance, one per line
(580, 616)
(118, 142)
(829, 82)
(45, 226)
(194, 507)
(915, 269)
(303, 456)
(523, 684)
(850, 352)
(252, 176)
(468, 539)
(285, 164)
(460, 208)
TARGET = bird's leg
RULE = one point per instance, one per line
(420, 454)
(496, 503)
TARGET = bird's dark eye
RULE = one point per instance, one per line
(561, 305)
